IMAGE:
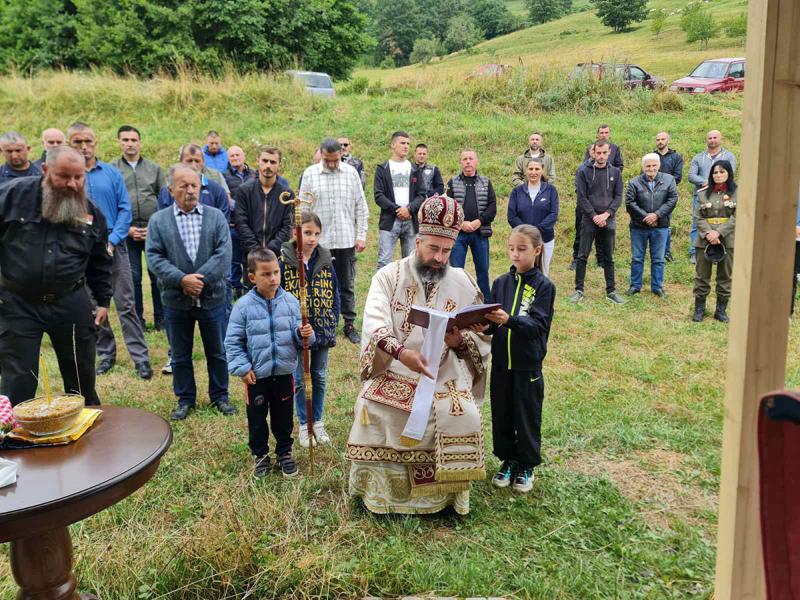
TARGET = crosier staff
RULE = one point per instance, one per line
(303, 198)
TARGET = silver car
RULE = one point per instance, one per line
(319, 84)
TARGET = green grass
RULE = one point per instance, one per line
(625, 503)
(581, 37)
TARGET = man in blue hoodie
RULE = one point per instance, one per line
(216, 157)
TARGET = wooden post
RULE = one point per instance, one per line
(763, 259)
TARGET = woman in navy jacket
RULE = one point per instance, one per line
(536, 203)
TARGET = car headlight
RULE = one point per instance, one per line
(699, 90)
(673, 88)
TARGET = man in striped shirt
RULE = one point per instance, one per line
(340, 203)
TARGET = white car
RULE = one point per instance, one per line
(319, 84)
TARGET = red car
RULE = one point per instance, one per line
(711, 76)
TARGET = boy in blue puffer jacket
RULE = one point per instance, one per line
(262, 342)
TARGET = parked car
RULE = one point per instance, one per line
(319, 84)
(711, 76)
(492, 70)
(632, 76)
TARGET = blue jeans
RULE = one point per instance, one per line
(693, 232)
(135, 255)
(657, 238)
(236, 260)
(319, 365)
(387, 240)
(480, 256)
(180, 330)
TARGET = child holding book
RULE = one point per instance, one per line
(323, 315)
(262, 342)
(519, 344)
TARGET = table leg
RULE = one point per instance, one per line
(42, 566)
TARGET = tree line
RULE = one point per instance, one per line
(147, 37)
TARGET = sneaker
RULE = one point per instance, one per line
(577, 296)
(523, 480)
(502, 478)
(573, 265)
(668, 257)
(302, 434)
(262, 466)
(288, 465)
(320, 434)
(692, 259)
(167, 368)
(659, 293)
(351, 334)
(615, 298)
(632, 291)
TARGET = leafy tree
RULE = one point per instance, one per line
(657, 21)
(620, 14)
(37, 33)
(701, 28)
(462, 32)
(398, 24)
(425, 49)
(542, 11)
(146, 36)
(495, 17)
(736, 27)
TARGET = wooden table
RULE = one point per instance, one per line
(60, 485)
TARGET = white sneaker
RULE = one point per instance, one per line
(320, 433)
(302, 437)
(167, 368)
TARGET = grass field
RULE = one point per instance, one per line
(625, 503)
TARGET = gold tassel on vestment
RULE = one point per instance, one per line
(433, 489)
(409, 442)
(460, 474)
(365, 416)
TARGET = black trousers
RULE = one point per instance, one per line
(22, 325)
(344, 261)
(603, 238)
(517, 398)
(601, 257)
(273, 396)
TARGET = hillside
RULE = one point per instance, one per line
(581, 37)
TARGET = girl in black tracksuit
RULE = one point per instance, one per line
(519, 344)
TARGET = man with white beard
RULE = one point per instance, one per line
(53, 245)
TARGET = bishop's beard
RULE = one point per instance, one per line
(429, 272)
(63, 207)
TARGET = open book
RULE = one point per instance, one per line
(469, 315)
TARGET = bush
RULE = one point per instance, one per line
(354, 87)
(387, 63)
(425, 49)
(657, 21)
(665, 101)
(525, 92)
(736, 27)
(701, 28)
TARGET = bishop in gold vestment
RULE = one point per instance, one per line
(390, 472)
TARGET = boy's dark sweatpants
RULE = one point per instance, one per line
(516, 398)
(273, 396)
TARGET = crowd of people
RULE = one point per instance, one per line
(215, 236)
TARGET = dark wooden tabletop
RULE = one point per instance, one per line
(60, 485)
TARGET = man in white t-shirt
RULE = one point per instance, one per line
(399, 195)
